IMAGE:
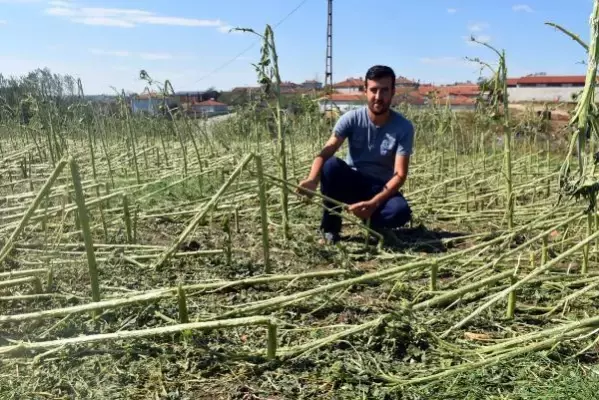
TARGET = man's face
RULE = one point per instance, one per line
(379, 94)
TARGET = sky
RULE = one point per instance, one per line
(107, 42)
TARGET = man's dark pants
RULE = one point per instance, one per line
(342, 183)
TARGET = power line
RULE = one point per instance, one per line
(253, 44)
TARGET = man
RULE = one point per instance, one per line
(380, 144)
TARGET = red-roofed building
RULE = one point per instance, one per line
(459, 101)
(312, 84)
(470, 91)
(353, 85)
(209, 107)
(405, 95)
(551, 81)
(402, 81)
(150, 102)
(343, 101)
(350, 85)
(545, 88)
(425, 90)
(288, 87)
(409, 95)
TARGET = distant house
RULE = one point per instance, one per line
(311, 85)
(452, 91)
(149, 103)
(209, 108)
(546, 88)
(402, 81)
(551, 81)
(511, 82)
(242, 89)
(194, 97)
(409, 95)
(458, 103)
(288, 87)
(356, 85)
(342, 101)
(350, 85)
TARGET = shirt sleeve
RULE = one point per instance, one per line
(343, 127)
(405, 145)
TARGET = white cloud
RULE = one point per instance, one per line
(177, 21)
(125, 17)
(522, 7)
(478, 26)
(3, 22)
(451, 10)
(100, 21)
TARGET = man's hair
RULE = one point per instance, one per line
(377, 72)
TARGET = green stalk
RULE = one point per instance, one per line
(182, 301)
(201, 214)
(271, 352)
(228, 244)
(132, 139)
(156, 294)
(87, 236)
(6, 249)
(263, 213)
(522, 281)
(434, 272)
(511, 300)
(585, 259)
(136, 334)
(127, 218)
(268, 72)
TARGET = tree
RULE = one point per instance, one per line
(17, 94)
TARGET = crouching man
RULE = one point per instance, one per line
(380, 144)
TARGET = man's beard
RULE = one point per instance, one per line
(384, 109)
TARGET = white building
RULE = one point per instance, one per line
(209, 108)
(349, 86)
(356, 85)
(342, 101)
(545, 88)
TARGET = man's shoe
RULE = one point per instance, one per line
(389, 237)
(330, 238)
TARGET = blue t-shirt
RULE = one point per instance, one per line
(372, 149)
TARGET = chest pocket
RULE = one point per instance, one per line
(387, 145)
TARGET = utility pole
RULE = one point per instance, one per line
(328, 75)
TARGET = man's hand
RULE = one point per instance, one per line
(363, 209)
(310, 185)
(329, 149)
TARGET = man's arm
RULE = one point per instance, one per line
(329, 149)
(364, 209)
(402, 163)
(341, 131)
